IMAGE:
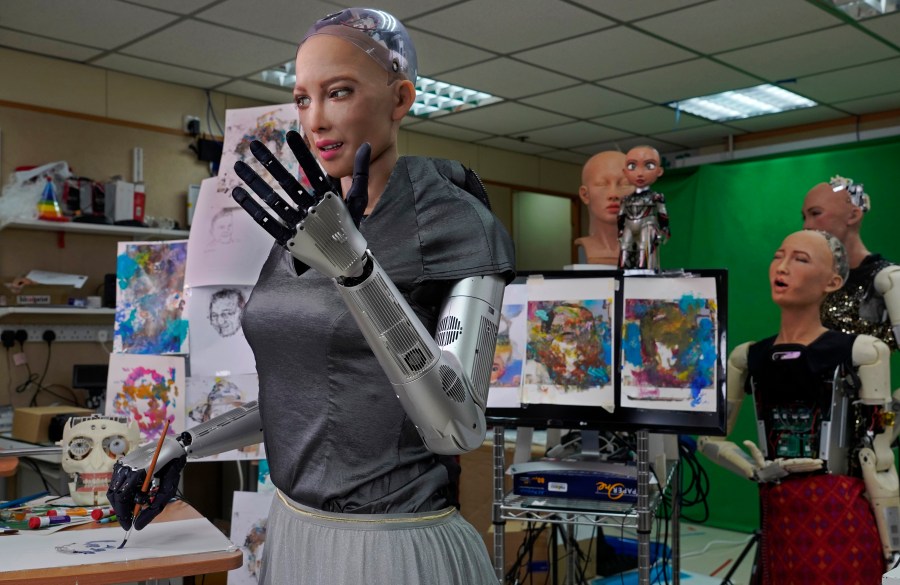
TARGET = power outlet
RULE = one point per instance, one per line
(67, 333)
(191, 125)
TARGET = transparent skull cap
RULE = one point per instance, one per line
(376, 32)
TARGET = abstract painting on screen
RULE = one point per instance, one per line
(570, 343)
(148, 389)
(150, 299)
(669, 344)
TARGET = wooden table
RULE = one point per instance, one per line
(129, 571)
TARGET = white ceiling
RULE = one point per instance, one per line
(578, 76)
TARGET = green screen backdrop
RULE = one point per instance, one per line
(734, 215)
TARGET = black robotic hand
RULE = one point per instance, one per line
(318, 228)
(125, 491)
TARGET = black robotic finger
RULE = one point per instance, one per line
(168, 485)
(358, 194)
(281, 207)
(256, 211)
(287, 181)
(123, 487)
(310, 166)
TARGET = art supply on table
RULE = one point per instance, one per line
(68, 512)
(100, 513)
(44, 521)
(4, 531)
(22, 501)
(108, 519)
(146, 487)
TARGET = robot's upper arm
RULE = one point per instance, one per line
(871, 356)
(735, 381)
(887, 283)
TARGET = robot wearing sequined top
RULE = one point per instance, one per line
(869, 301)
(643, 221)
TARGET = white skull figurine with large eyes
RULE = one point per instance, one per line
(91, 445)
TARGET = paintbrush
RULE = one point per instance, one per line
(146, 487)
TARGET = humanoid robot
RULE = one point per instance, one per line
(816, 420)
(643, 220)
(441, 380)
(603, 186)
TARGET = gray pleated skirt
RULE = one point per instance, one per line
(305, 546)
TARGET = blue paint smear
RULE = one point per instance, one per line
(631, 344)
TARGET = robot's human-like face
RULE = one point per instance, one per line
(225, 315)
(642, 166)
(603, 185)
(829, 210)
(344, 100)
(802, 271)
(90, 448)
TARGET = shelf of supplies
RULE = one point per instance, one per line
(95, 228)
(7, 311)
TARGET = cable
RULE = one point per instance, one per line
(240, 471)
(209, 109)
(40, 473)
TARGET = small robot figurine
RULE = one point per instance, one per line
(643, 221)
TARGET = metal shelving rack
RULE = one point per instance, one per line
(508, 506)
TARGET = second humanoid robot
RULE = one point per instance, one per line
(643, 220)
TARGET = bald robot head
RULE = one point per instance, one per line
(603, 185)
(831, 211)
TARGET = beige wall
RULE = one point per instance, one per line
(52, 110)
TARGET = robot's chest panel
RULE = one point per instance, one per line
(638, 205)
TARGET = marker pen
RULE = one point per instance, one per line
(44, 521)
(108, 519)
(98, 513)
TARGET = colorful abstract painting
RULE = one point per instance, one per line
(570, 343)
(212, 396)
(669, 345)
(509, 355)
(148, 389)
(150, 301)
(249, 517)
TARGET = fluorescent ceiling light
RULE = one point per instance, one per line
(433, 98)
(860, 9)
(743, 103)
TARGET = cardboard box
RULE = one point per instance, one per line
(33, 423)
(34, 294)
(124, 201)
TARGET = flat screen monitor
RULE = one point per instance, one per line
(612, 350)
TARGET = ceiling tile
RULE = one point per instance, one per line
(514, 145)
(504, 118)
(292, 21)
(584, 101)
(628, 11)
(681, 81)
(810, 53)
(566, 156)
(701, 136)
(161, 71)
(202, 46)
(787, 119)
(887, 27)
(651, 120)
(25, 42)
(729, 24)
(875, 103)
(498, 26)
(98, 23)
(447, 131)
(437, 55)
(179, 6)
(574, 134)
(847, 84)
(506, 78)
(268, 94)
(625, 144)
(568, 56)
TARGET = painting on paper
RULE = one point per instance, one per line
(150, 299)
(211, 396)
(669, 344)
(148, 389)
(249, 515)
(509, 355)
(570, 343)
(218, 345)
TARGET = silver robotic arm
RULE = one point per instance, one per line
(872, 358)
(441, 382)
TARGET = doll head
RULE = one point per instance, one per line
(642, 166)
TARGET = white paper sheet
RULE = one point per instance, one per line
(509, 356)
(45, 277)
(157, 539)
(210, 396)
